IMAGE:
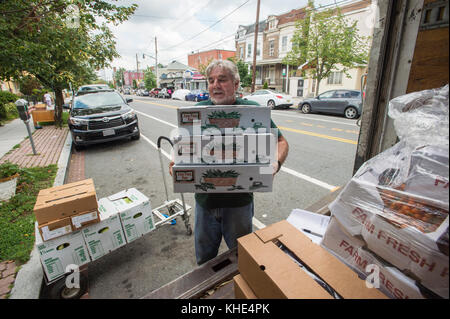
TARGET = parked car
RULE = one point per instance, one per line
(127, 91)
(270, 98)
(154, 92)
(343, 102)
(92, 87)
(163, 94)
(180, 94)
(102, 116)
(239, 95)
(197, 95)
(144, 93)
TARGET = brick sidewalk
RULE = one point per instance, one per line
(7, 277)
(48, 142)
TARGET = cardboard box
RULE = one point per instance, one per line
(84, 219)
(230, 149)
(65, 200)
(105, 236)
(272, 273)
(56, 254)
(241, 289)
(135, 212)
(237, 178)
(228, 119)
(405, 247)
(352, 252)
(55, 229)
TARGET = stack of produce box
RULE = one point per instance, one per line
(61, 212)
(221, 149)
(391, 220)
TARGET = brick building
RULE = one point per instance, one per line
(195, 60)
(129, 76)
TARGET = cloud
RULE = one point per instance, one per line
(183, 26)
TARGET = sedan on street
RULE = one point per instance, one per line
(102, 116)
(342, 102)
(180, 94)
(270, 98)
(197, 95)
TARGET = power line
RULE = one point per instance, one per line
(206, 28)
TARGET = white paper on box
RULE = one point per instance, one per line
(135, 213)
(311, 224)
(56, 254)
(350, 250)
(107, 235)
(80, 219)
(50, 234)
(235, 178)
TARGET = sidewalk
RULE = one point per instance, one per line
(53, 146)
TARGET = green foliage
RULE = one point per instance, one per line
(246, 77)
(149, 79)
(265, 85)
(217, 173)
(8, 109)
(8, 169)
(224, 115)
(29, 83)
(327, 42)
(118, 76)
(16, 214)
(40, 38)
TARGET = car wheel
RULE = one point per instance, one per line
(271, 104)
(196, 99)
(78, 148)
(306, 108)
(351, 112)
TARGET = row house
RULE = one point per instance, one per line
(275, 35)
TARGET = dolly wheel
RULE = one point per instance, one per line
(58, 290)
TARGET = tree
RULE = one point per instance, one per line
(119, 77)
(58, 41)
(149, 79)
(326, 41)
(246, 77)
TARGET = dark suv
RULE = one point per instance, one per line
(101, 116)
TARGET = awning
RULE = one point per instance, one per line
(166, 81)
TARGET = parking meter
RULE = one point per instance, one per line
(22, 108)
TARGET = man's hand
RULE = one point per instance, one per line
(170, 168)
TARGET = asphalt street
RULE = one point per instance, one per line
(321, 158)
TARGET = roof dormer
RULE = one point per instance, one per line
(272, 22)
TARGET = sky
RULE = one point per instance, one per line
(185, 26)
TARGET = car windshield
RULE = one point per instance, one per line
(98, 100)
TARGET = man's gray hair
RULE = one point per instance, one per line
(226, 64)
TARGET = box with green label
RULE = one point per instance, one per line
(107, 235)
(56, 254)
(135, 213)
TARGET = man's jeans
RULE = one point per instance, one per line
(211, 224)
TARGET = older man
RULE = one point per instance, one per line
(225, 214)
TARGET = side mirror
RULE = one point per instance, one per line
(129, 100)
(318, 97)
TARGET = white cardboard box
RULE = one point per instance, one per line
(135, 213)
(350, 250)
(237, 178)
(56, 254)
(223, 118)
(406, 248)
(230, 149)
(107, 235)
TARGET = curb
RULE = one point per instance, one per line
(29, 279)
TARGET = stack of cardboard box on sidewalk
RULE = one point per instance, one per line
(73, 228)
(222, 149)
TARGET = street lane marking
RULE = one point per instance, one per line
(165, 105)
(258, 224)
(339, 139)
(312, 118)
(337, 129)
(306, 124)
(331, 188)
(156, 119)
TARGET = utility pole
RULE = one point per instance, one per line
(156, 62)
(137, 70)
(254, 47)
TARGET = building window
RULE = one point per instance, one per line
(258, 51)
(272, 24)
(249, 50)
(284, 44)
(241, 53)
(271, 48)
(335, 78)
